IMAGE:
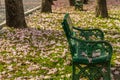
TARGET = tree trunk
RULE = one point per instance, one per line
(85, 2)
(101, 9)
(46, 6)
(72, 2)
(15, 14)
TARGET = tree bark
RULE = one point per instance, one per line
(101, 9)
(85, 2)
(46, 6)
(72, 2)
(15, 14)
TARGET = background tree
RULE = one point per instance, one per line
(72, 2)
(15, 14)
(46, 5)
(101, 8)
(85, 1)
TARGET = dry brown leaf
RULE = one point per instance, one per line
(84, 54)
(90, 60)
(116, 72)
(117, 62)
(104, 70)
(96, 54)
(52, 71)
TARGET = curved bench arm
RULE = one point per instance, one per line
(93, 48)
(90, 34)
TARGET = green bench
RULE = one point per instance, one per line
(79, 5)
(91, 55)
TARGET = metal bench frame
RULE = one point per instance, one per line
(79, 5)
(91, 55)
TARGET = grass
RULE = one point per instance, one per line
(41, 50)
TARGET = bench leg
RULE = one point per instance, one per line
(80, 8)
(103, 71)
(107, 74)
(74, 75)
(73, 71)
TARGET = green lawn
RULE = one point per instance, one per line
(41, 50)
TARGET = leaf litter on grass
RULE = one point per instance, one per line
(41, 50)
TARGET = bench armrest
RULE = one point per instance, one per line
(90, 34)
(93, 48)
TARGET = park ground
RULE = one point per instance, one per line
(41, 50)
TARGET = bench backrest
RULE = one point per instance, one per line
(67, 25)
(68, 29)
